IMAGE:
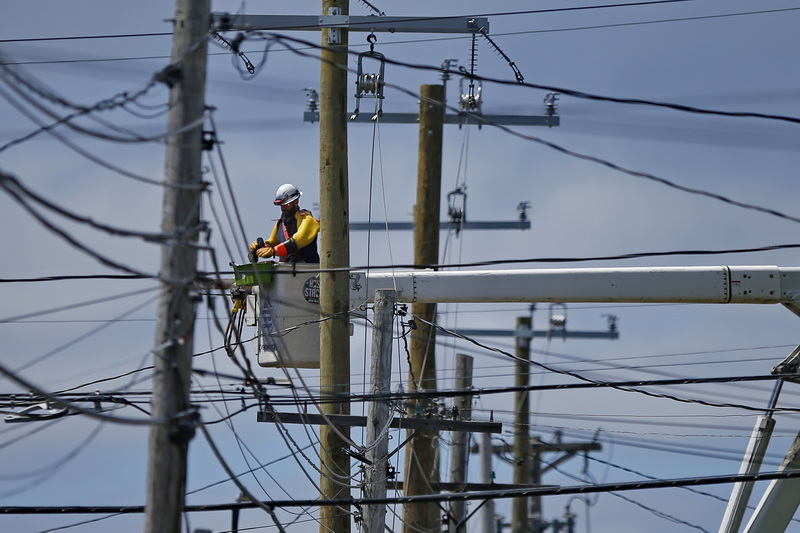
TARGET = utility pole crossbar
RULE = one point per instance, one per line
(445, 226)
(354, 23)
(610, 334)
(438, 424)
(453, 118)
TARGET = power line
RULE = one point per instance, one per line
(490, 14)
(431, 498)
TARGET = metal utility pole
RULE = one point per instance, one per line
(169, 443)
(459, 451)
(334, 298)
(421, 456)
(376, 473)
(522, 438)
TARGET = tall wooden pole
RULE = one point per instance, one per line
(376, 473)
(334, 244)
(459, 451)
(488, 521)
(422, 455)
(522, 439)
(169, 443)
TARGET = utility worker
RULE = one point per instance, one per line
(294, 237)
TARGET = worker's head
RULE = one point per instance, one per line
(287, 197)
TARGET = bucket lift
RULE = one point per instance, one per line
(282, 302)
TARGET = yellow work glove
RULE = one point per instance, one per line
(253, 245)
(266, 252)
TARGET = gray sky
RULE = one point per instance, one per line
(733, 56)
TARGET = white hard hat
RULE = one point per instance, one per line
(286, 194)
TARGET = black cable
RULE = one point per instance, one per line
(73, 278)
(87, 37)
(17, 189)
(655, 512)
(549, 88)
(213, 276)
(555, 259)
(613, 166)
(431, 498)
(169, 34)
(75, 306)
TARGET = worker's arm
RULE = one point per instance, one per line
(307, 230)
(267, 250)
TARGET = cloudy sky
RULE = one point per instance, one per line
(97, 334)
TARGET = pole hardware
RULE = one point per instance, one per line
(470, 101)
(370, 84)
(558, 320)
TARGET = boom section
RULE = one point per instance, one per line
(709, 284)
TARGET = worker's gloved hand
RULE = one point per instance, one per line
(253, 246)
(266, 252)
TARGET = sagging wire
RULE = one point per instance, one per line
(72, 240)
(86, 335)
(49, 128)
(44, 472)
(75, 407)
(228, 420)
(263, 397)
(250, 378)
(594, 159)
(26, 89)
(15, 188)
(228, 185)
(590, 381)
(221, 460)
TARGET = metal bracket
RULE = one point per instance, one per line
(335, 21)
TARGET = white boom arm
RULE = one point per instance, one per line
(715, 284)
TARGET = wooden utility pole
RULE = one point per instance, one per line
(488, 522)
(522, 438)
(334, 241)
(421, 456)
(376, 472)
(459, 451)
(169, 443)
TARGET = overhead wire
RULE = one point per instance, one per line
(593, 159)
(243, 446)
(268, 509)
(254, 382)
(73, 146)
(652, 510)
(72, 240)
(17, 189)
(42, 473)
(69, 307)
(82, 337)
(433, 498)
